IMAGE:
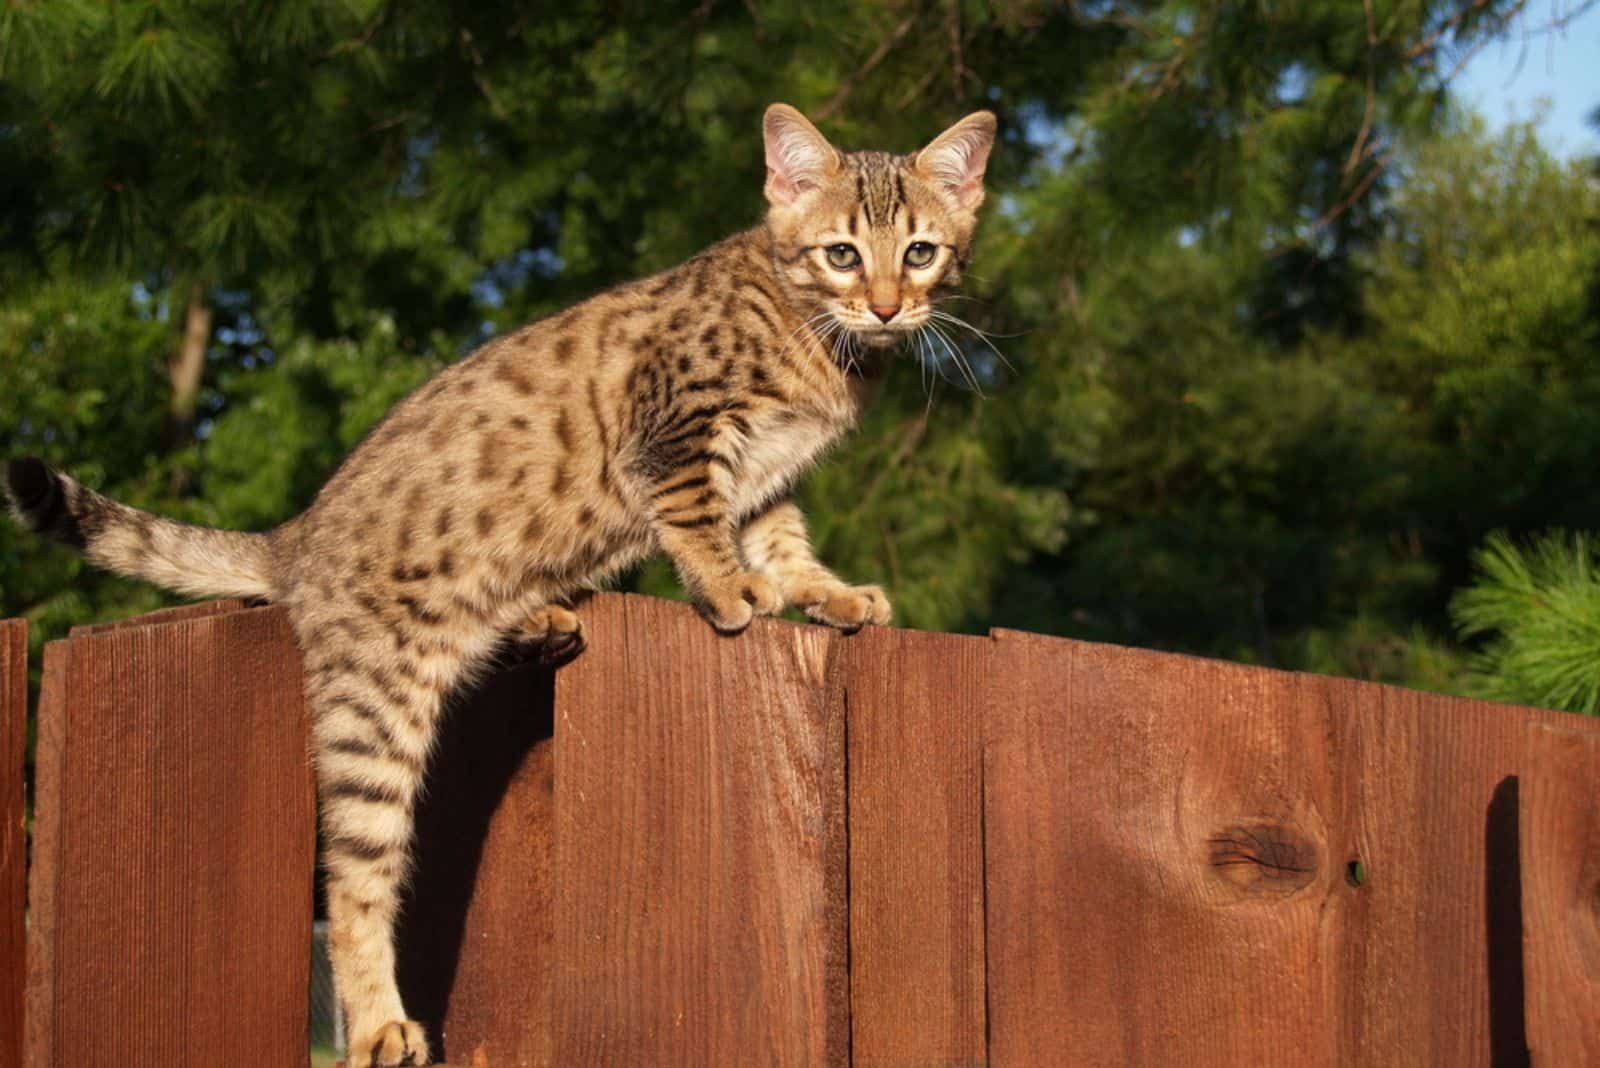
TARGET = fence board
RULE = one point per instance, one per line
(477, 933)
(1431, 940)
(1561, 890)
(1158, 835)
(48, 751)
(700, 910)
(13, 835)
(915, 703)
(177, 841)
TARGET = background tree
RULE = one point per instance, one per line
(1282, 336)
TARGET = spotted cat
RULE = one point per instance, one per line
(673, 413)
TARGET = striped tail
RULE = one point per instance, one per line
(193, 560)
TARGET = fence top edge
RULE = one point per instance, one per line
(1555, 719)
(1585, 731)
(178, 614)
(153, 621)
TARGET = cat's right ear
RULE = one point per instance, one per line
(798, 157)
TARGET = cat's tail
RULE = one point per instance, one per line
(194, 560)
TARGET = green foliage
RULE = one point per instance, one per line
(1284, 337)
(1537, 609)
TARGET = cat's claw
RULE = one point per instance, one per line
(553, 633)
(846, 607)
(398, 1042)
(732, 603)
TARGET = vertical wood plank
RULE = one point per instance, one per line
(44, 871)
(177, 904)
(699, 843)
(1430, 942)
(915, 703)
(1160, 860)
(477, 930)
(13, 836)
(1560, 820)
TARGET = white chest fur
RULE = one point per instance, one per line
(779, 449)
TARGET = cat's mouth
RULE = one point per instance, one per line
(880, 337)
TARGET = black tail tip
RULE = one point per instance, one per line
(30, 482)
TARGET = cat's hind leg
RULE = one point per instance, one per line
(553, 633)
(372, 724)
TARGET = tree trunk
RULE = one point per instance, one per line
(188, 362)
(185, 367)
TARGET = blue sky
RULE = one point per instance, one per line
(1506, 79)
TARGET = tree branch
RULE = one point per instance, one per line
(828, 110)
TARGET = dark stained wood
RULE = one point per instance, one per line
(915, 704)
(1560, 825)
(476, 937)
(13, 840)
(1161, 861)
(176, 846)
(45, 869)
(1430, 943)
(1089, 855)
(1172, 850)
(700, 904)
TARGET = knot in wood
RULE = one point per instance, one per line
(1264, 857)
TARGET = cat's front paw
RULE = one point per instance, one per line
(392, 1044)
(553, 634)
(845, 607)
(731, 603)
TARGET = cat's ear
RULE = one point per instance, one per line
(798, 157)
(955, 160)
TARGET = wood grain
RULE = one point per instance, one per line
(45, 869)
(1560, 824)
(1430, 943)
(477, 931)
(176, 846)
(700, 904)
(13, 836)
(915, 703)
(166, 615)
(1189, 861)
(1161, 860)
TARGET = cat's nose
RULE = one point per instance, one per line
(885, 312)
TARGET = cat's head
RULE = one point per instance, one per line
(873, 239)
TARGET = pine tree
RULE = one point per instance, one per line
(1536, 610)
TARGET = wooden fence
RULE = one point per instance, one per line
(795, 847)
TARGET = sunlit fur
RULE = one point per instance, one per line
(880, 205)
(671, 414)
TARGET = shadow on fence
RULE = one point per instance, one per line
(796, 847)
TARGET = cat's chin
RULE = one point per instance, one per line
(879, 339)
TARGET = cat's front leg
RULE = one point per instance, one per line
(776, 543)
(694, 525)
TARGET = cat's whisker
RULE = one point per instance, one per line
(824, 316)
(956, 355)
(982, 333)
(979, 334)
(924, 361)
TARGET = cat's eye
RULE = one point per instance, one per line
(920, 254)
(842, 257)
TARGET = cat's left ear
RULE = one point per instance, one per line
(955, 160)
